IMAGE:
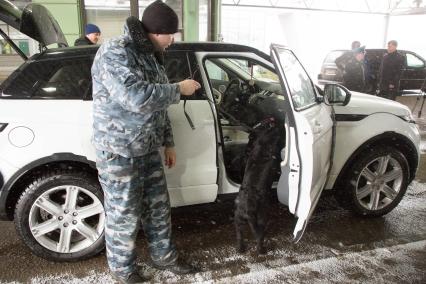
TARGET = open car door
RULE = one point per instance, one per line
(306, 158)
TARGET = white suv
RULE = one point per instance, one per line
(363, 147)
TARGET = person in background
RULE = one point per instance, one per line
(343, 59)
(355, 44)
(390, 72)
(92, 35)
(131, 95)
(354, 73)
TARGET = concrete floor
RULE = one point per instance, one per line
(338, 247)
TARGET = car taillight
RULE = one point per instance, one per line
(2, 126)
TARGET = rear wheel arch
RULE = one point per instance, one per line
(17, 184)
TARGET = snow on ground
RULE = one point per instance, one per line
(382, 265)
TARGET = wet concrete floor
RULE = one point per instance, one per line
(338, 247)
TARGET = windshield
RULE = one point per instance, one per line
(249, 70)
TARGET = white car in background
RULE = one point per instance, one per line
(363, 147)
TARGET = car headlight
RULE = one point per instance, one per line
(407, 117)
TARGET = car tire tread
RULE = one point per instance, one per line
(39, 185)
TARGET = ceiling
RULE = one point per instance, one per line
(387, 7)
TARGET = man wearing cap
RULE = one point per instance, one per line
(131, 94)
(390, 72)
(354, 73)
(92, 35)
(347, 55)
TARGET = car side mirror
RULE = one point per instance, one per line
(335, 94)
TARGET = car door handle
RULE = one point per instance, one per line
(317, 127)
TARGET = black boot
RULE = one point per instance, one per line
(178, 267)
(135, 277)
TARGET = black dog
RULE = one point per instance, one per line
(263, 159)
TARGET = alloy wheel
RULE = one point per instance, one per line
(67, 219)
(379, 183)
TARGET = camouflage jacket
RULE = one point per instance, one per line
(131, 95)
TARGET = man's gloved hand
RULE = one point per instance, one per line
(188, 87)
(169, 157)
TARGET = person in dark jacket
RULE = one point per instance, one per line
(92, 35)
(353, 72)
(347, 55)
(390, 72)
(131, 94)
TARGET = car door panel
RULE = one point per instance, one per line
(414, 75)
(195, 148)
(309, 129)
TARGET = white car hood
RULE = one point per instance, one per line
(363, 104)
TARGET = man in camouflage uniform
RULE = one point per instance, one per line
(131, 95)
(354, 72)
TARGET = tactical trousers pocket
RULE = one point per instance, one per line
(105, 156)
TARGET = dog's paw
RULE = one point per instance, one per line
(261, 250)
(241, 248)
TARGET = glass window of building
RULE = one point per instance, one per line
(108, 15)
(9, 60)
(26, 44)
(203, 17)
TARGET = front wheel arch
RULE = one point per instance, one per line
(377, 182)
(391, 139)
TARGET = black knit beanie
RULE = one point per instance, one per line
(158, 18)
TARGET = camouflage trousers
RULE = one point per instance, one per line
(135, 190)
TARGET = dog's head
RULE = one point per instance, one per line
(267, 134)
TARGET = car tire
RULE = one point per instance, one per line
(376, 181)
(60, 216)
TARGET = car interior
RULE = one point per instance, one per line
(245, 93)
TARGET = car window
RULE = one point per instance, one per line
(414, 62)
(215, 72)
(301, 87)
(176, 65)
(22, 82)
(263, 74)
(234, 85)
(332, 56)
(177, 69)
(254, 71)
(69, 79)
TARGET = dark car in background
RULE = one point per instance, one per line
(412, 78)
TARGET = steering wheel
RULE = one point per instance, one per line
(217, 95)
(231, 93)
